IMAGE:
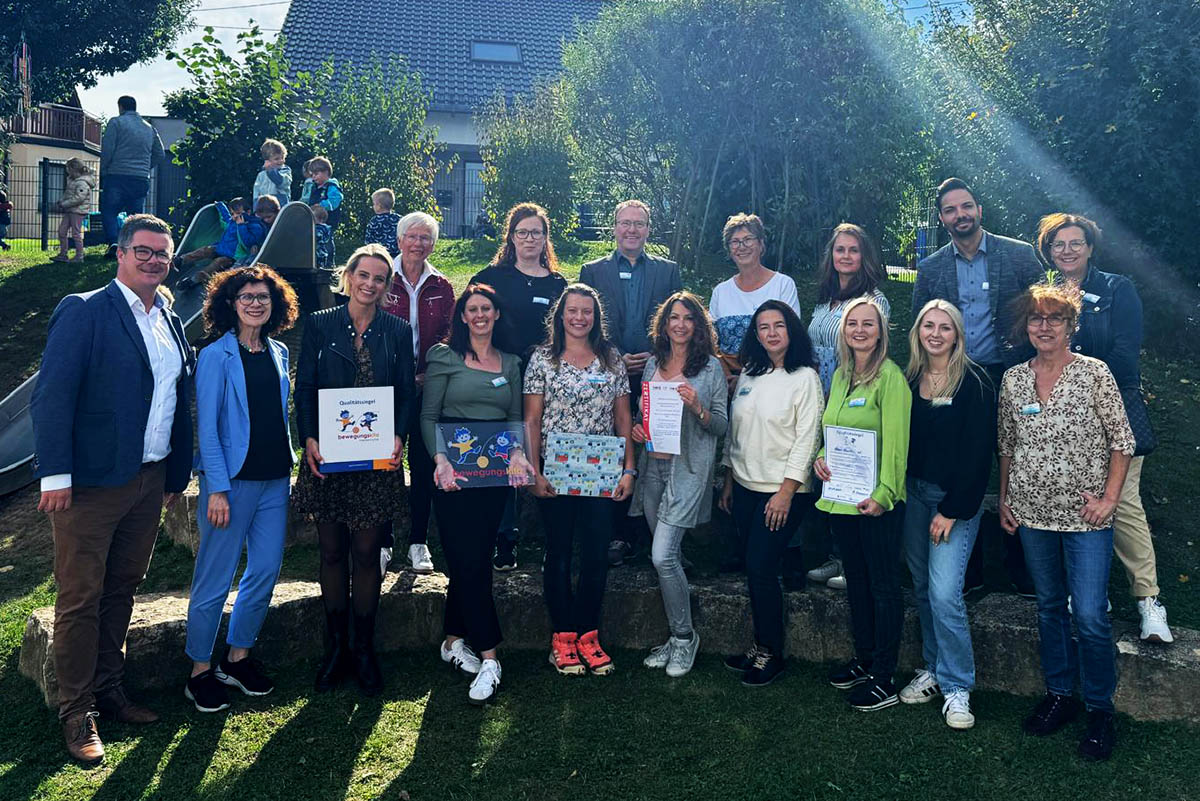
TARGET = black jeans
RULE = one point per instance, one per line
(467, 521)
(871, 560)
(764, 553)
(420, 469)
(588, 521)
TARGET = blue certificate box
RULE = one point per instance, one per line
(480, 452)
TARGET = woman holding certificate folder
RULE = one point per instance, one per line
(868, 400)
(355, 345)
(576, 384)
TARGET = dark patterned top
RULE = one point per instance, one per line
(575, 401)
(1060, 449)
(326, 256)
(381, 230)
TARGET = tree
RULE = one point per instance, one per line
(377, 138)
(72, 42)
(530, 154)
(232, 106)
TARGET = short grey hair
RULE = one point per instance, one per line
(417, 218)
(141, 222)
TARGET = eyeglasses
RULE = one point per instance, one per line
(743, 242)
(1075, 245)
(247, 299)
(143, 253)
(1053, 320)
(635, 224)
(522, 233)
(420, 239)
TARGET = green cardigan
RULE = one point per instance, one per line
(888, 401)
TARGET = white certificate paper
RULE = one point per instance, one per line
(357, 428)
(662, 415)
(850, 456)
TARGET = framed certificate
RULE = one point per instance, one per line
(853, 468)
(357, 428)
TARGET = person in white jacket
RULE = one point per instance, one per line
(75, 204)
(774, 435)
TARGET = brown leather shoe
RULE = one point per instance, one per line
(83, 741)
(114, 704)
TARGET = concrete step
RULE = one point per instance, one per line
(1156, 683)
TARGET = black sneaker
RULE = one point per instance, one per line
(1051, 714)
(504, 560)
(874, 694)
(1097, 743)
(740, 663)
(765, 669)
(618, 552)
(208, 694)
(245, 674)
(849, 675)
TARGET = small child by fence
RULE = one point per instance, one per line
(5, 220)
(75, 204)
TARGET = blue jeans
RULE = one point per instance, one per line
(937, 575)
(1074, 563)
(121, 193)
(257, 521)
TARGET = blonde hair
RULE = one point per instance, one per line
(272, 148)
(372, 251)
(384, 197)
(846, 358)
(918, 359)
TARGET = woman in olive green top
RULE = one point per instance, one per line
(869, 392)
(470, 380)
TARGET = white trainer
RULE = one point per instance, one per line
(460, 655)
(483, 688)
(922, 688)
(837, 582)
(418, 555)
(825, 572)
(385, 559)
(659, 656)
(683, 655)
(957, 710)
(1154, 621)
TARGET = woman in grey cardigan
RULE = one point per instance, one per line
(675, 490)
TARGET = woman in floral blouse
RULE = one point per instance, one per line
(576, 384)
(1065, 446)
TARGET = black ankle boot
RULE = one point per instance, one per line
(366, 666)
(336, 662)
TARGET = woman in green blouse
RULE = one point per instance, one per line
(869, 392)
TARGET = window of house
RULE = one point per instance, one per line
(505, 52)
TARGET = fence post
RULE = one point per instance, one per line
(44, 204)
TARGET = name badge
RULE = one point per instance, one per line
(984, 285)
(744, 391)
(936, 402)
(543, 301)
(857, 402)
(1032, 408)
(1089, 297)
(597, 380)
(499, 381)
(625, 276)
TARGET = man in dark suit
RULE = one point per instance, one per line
(982, 274)
(632, 285)
(113, 435)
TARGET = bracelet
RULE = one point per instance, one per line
(629, 472)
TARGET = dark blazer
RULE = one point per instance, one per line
(661, 280)
(327, 361)
(1012, 267)
(93, 394)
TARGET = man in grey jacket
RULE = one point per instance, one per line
(130, 149)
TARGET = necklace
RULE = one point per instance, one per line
(936, 380)
(257, 349)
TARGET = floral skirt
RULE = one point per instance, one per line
(360, 500)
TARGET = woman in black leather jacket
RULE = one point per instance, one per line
(355, 345)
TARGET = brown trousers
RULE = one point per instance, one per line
(102, 549)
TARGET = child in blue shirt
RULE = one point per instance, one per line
(325, 189)
(381, 229)
(275, 178)
(244, 234)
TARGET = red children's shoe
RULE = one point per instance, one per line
(564, 655)
(593, 655)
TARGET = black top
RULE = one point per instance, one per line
(527, 302)
(267, 455)
(952, 444)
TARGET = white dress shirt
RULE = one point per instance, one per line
(413, 315)
(166, 363)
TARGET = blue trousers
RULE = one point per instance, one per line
(257, 522)
(1074, 563)
(121, 193)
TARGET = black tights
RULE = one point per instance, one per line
(337, 541)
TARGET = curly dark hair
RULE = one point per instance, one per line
(556, 334)
(754, 357)
(459, 337)
(704, 337)
(223, 288)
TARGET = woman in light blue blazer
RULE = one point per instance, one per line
(245, 462)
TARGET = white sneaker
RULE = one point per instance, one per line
(460, 656)
(922, 688)
(1154, 621)
(825, 572)
(483, 689)
(659, 656)
(385, 559)
(418, 555)
(683, 655)
(957, 710)
(837, 582)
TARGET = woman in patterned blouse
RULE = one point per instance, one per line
(576, 384)
(1065, 446)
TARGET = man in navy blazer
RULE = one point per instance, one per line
(113, 435)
